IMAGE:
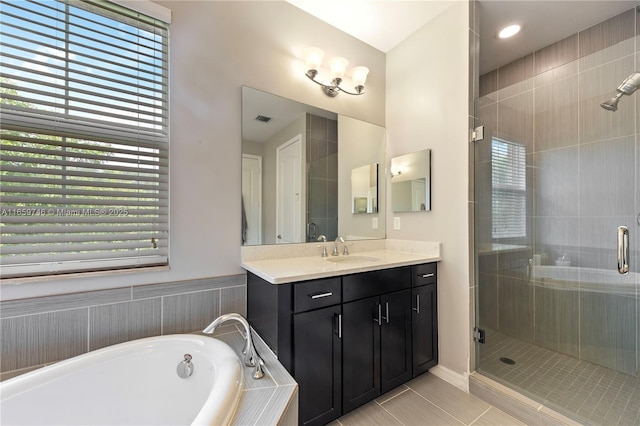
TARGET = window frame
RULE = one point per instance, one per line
(111, 142)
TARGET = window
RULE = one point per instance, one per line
(508, 189)
(84, 138)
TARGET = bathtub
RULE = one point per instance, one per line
(585, 279)
(132, 383)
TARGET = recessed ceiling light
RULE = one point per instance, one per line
(509, 31)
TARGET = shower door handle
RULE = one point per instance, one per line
(623, 249)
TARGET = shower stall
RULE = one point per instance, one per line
(557, 224)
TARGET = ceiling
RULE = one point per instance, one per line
(385, 23)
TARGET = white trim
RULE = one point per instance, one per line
(148, 8)
(458, 380)
(258, 158)
(300, 234)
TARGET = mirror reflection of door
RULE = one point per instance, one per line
(251, 199)
(289, 211)
(419, 196)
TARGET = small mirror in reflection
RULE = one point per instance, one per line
(364, 189)
(411, 182)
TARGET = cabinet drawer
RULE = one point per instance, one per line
(424, 274)
(316, 294)
(375, 283)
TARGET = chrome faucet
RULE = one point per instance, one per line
(324, 247)
(251, 357)
(339, 239)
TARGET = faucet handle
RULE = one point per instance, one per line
(345, 251)
(324, 250)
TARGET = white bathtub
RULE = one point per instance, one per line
(132, 383)
(586, 279)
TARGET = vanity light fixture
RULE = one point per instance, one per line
(337, 67)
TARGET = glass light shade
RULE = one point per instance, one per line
(359, 75)
(313, 58)
(338, 67)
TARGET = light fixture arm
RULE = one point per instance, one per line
(332, 89)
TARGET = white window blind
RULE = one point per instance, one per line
(84, 138)
(509, 185)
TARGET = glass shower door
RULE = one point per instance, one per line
(556, 175)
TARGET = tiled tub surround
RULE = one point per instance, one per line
(43, 330)
(300, 262)
(272, 400)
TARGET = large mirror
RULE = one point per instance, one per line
(411, 182)
(297, 162)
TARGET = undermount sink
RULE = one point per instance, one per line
(350, 258)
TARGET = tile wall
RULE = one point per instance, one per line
(583, 168)
(322, 175)
(42, 330)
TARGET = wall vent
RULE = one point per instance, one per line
(263, 118)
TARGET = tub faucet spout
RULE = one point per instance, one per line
(251, 357)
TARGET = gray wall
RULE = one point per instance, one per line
(215, 48)
(218, 46)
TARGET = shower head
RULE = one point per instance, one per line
(612, 104)
(628, 86)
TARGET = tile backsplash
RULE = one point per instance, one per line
(43, 330)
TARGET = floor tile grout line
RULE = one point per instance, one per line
(437, 406)
(477, 418)
(388, 412)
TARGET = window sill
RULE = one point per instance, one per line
(77, 275)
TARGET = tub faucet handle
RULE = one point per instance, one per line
(185, 368)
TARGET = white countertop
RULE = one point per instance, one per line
(294, 269)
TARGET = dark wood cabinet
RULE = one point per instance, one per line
(317, 365)
(395, 340)
(377, 346)
(347, 340)
(361, 353)
(424, 322)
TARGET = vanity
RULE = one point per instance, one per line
(347, 328)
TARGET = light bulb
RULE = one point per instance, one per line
(313, 58)
(509, 31)
(359, 75)
(338, 67)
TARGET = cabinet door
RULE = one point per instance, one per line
(425, 328)
(361, 352)
(395, 340)
(318, 365)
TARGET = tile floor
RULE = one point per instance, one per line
(584, 391)
(426, 400)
